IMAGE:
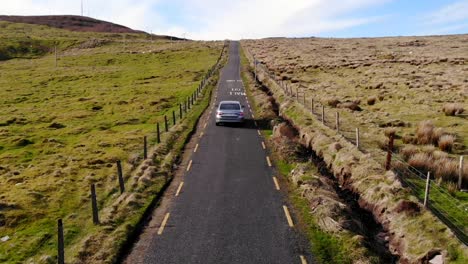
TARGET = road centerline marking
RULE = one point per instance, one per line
(263, 145)
(189, 165)
(268, 161)
(276, 183)
(195, 149)
(288, 216)
(180, 188)
(163, 224)
(303, 259)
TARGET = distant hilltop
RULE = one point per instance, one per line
(70, 22)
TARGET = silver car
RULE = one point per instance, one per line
(229, 112)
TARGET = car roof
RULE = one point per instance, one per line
(229, 102)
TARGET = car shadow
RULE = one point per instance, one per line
(261, 124)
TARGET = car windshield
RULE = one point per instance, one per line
(229, 107)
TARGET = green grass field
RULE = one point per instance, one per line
(62, 128)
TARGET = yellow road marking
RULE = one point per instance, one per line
(268, 161)
(189, 165)
(276, 183)
(161, 228)
(263, 145)
(303, 259)
(180, 187)
(258, 132)
(196, 147)
(288, 216)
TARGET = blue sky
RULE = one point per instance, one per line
(220, 19)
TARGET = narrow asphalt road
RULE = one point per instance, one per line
(228, 209)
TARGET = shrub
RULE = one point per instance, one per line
(446, 168)
(371, 100)
(351, 105)
(333, 102)
(381, 97)
(452, 109)
(408, 151)
(427, 133)
(446, 142)
(421, 161)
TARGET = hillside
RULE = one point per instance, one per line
(70, 22)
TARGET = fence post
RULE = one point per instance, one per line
(323, 114)
(338, 121)
(61, 246)
(165, 124)
(94, 205)
(120, 175)
(173, 117)
(389, 152)
(426, 193)
(158, 134)
(460, 173)
(304, 100)
(180, 111)
(357, 137)
(145, 148)
(297, 94)
(312, 105)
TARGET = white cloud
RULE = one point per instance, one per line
(212, 19)
(454, 12)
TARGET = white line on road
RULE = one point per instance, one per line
(258, 132)
(263, 145)
(268, 161)
(303, 259)
(253, 115)
(201, 134)
(189, 165)
(178, 189)
(255, 122)
(161, 228)
(195, 149)
(276, 183)
(288, 216)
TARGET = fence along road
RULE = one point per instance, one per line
(228, 209)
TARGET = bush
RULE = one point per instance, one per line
(333, 102)
(452, 109)
(371, 100)
(446, 142)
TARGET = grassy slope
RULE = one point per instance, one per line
(133, 83)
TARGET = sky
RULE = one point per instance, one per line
(241, 19)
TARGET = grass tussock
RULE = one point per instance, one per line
(371, 100)
(452, 109)
(446, 142)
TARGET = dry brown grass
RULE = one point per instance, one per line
(408, 151)
(333, 102)
(445, 168)
(446, 142)
(421, 161)
(424, 132)
(390, 132)
(353, 106)
(452, 109)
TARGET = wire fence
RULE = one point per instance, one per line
(450, 210)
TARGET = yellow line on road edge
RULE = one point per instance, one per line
(189, 165)
(161, 228)
(288, 216)
(268, 161)
(180, 188)
(195, 149)
(303, 259)
(263, 145)
(276, 183)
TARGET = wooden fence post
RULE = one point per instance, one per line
(158, 134)
(94, 205)
(304, 100)
(180, 111)
(120, 175)
(389, 152)
(460, 173)
(312, 105)
(337, 121)
(357, 137)
(323, 114)
(61, 246)
(297, 94)
(145, 148)
(426, 193)
(165, 124)
(173, 117)
(55, 50)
